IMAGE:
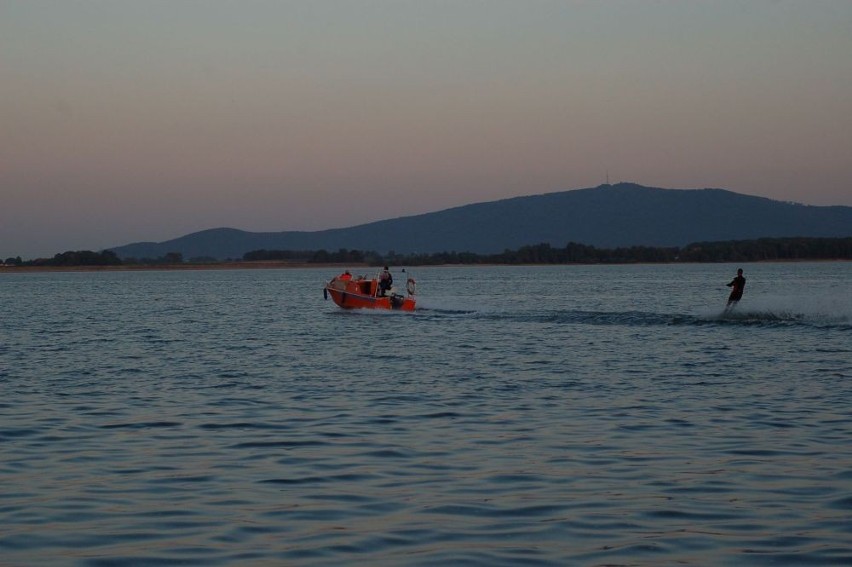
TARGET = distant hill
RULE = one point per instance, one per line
(606, 216)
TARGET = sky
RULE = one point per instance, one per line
(127, 120)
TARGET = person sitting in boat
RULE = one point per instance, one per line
(345, 276)
(385, 281)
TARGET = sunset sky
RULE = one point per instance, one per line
(123, 121)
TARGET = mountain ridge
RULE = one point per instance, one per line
(623, 214)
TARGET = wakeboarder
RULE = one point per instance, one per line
(737, 286)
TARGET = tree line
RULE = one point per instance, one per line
(90, 258)
(761, 249)
(71, 258)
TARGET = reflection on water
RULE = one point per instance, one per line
(544, 416)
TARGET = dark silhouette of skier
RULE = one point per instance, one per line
(737, 286)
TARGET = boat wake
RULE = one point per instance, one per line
(786, 310)
(779, 315)
(445, 307)
(767, 312)
(645, 319)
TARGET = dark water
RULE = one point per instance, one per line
(523, 416)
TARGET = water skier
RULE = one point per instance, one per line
(737, 286)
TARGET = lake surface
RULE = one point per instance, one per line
(576, 415)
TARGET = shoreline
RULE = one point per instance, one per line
(282, 265)
(176, 267)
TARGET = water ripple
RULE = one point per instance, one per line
(580, 417)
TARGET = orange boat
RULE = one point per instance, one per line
(363, 293)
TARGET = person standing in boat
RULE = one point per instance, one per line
(345, 276)
(385, 281)
(737, 286)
